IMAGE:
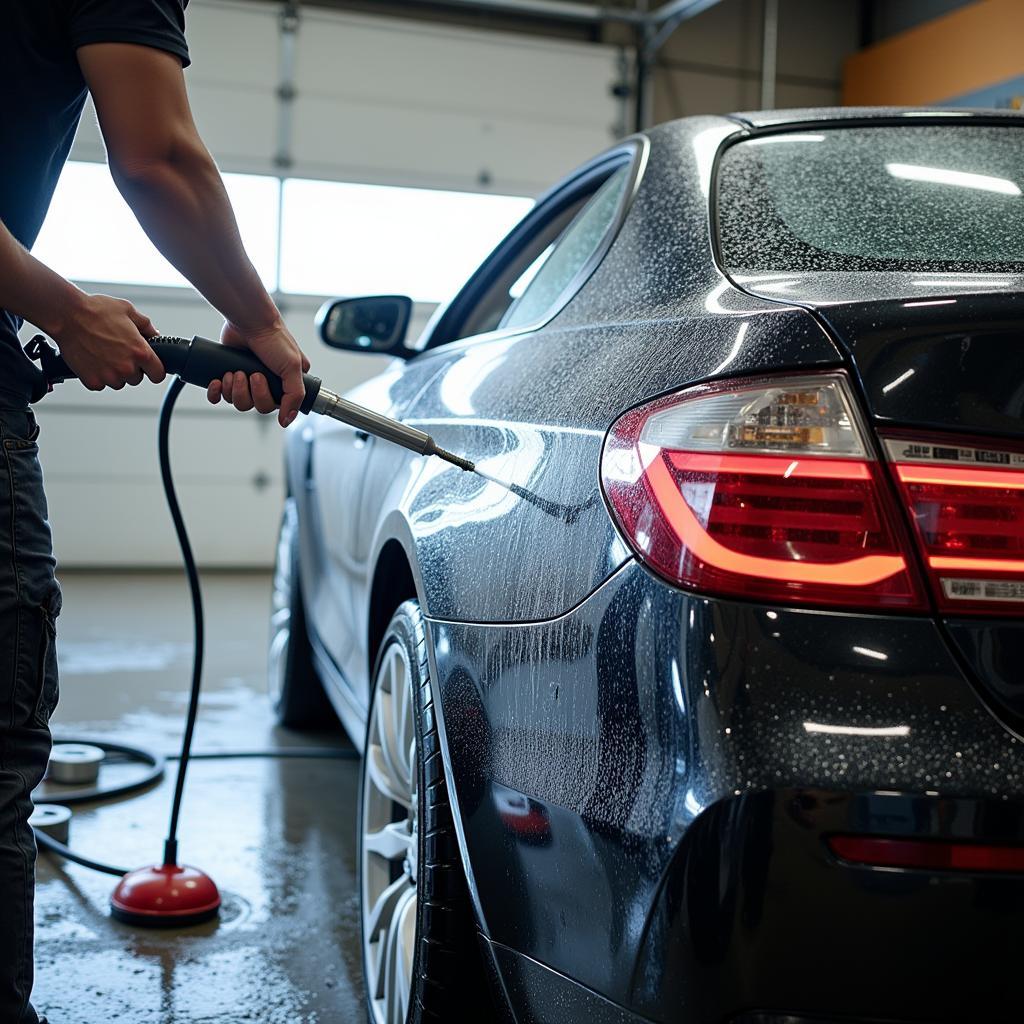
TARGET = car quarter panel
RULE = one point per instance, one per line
(582, 750)
(528, 537)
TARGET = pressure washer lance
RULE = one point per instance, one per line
(201, 362)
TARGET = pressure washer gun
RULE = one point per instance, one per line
(200, 362)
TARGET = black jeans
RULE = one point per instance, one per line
(29, 605)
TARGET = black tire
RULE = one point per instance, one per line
(296, 693)
(448, 976)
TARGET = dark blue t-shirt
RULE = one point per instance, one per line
(43, 93)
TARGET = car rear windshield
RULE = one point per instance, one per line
(915, 198)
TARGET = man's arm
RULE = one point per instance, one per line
(103, 339)
(171, 182)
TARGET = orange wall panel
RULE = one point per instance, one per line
(976, 46)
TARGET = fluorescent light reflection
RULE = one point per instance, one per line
(856, 730)
(870, 653)
(785, 138)
(903, 377)
(677, 686)
(959, 179)
(735, 350)
(692, 803)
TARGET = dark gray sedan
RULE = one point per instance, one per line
(700, 700)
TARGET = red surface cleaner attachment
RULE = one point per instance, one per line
(165, 896)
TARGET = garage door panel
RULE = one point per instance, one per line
(232, 43)
(203, 447)
(450, 69)
(99, 523)
(239, 125)
(445, 150)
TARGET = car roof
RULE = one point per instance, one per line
(808, 115)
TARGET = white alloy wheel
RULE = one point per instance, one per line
(390, 841)
(281, 606)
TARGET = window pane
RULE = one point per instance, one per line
(90, 234)
(903, 198)
(346, 239)
(578, 243)
(526, 278)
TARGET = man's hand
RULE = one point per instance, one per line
(275, 347)
(104, 341)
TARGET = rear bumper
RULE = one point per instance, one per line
(759, 923)
(642, 788)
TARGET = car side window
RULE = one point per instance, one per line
(553, 272)
(535, 267)
(491, 306)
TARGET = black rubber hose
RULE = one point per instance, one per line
(156, 762)
(286, 753)
(155, 772)
(51, 844)
(198, 619)
(157, 766)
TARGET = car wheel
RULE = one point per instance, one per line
(296, 693)
(419, 938)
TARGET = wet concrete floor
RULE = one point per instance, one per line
(278, 836)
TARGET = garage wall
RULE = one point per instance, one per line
(887, 18)
(712, 64)
(970, 56)
(378, 100)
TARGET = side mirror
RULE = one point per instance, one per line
(378, 323)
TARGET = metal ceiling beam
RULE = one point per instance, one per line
(675, 11)
(551, 10)
(658, 26)
(679, 10)
(769, 54)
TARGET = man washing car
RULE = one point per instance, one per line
(130, 55)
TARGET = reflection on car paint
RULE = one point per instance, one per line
(525, 819)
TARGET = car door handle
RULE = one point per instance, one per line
(362, 437)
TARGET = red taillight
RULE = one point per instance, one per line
(927, 854)
(759, 489)
(967, 505)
